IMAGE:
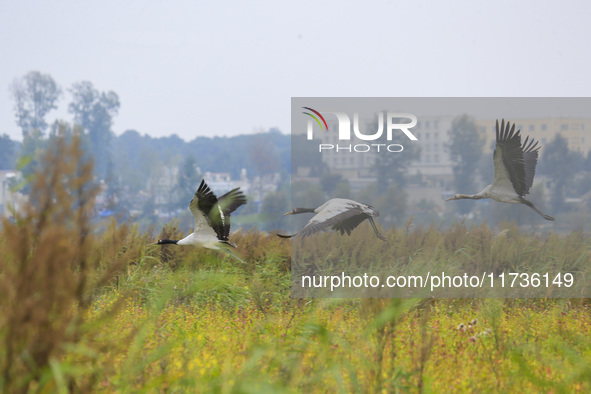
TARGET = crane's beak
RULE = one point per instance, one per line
(451, 199)
(289, 213)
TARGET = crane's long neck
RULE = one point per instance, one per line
(304, 210)
(478, 196)
(484, 193)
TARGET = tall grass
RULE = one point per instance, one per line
(457, 250)
(51, 267)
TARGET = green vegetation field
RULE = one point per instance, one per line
(183, 319)
(85, 310)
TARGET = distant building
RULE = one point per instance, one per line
(434, 161)
(8, 197)
(575, 130)
(217, 177)
(221, 182)
(351, 166)
(161, 185)
(433, 135)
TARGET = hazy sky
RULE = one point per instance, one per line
(223, 68)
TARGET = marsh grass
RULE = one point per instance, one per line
(458, 250)
(51, 268)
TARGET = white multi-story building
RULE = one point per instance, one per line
(575, 130)
(432, 135)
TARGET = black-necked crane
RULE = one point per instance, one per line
(212, 219)
(341, 214)
(515, 167)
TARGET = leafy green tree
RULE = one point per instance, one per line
(329, 182)
(465, 149)
(274, 205)
(127, 150)
(391, 204)
(334, 186)
(587, 162)
(264, 156)
(34, 95)
(485, 167)
(33, 146)
(583, 184)
(557, 164)
(307, 195)
(94, 111)
(303, 195)
(343, 190)
(305, 156)
(188, 181)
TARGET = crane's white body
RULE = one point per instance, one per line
(501, 189)
(203, 234)
(203, 239)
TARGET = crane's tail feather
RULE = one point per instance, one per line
(380, 236)
(233, 254)
(227, 247)
(532, 206)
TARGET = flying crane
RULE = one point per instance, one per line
(515, 167)
(341, 214)
(212, 219)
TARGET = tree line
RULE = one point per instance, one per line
(129, 164)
